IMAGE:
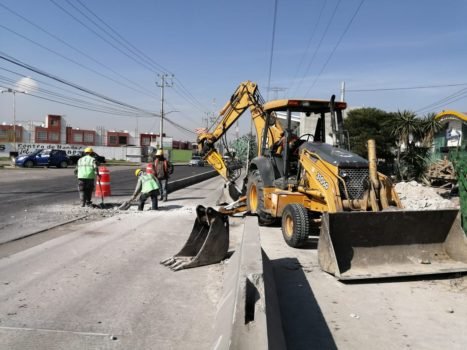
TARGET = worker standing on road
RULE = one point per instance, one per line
(149, 186)
(163, 169)
(86, 171)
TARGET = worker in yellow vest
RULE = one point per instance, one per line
(86, 170)
(149, 186)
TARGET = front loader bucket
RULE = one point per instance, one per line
(364, 245)
(207, 244)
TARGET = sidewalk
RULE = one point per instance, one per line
(102, 286)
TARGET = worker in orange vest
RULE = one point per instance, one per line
(162, 169)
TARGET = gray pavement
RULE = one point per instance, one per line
(36, 199)
(100, 286)
(319, 312)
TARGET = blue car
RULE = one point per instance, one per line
(43, 157)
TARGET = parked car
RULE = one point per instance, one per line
(196, 161)
(74, 158)
(43, 157)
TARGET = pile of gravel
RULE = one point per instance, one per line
(416, 196)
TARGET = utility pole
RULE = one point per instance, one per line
(14, 92)
(276, 91)
(162, 85)
(205, 119)
(343, 91)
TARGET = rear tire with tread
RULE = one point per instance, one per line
(63, 164)
(255, 199)
(295, 225)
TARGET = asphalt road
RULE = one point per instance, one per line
(33, 199)
(99, 285)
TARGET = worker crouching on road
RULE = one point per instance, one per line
(149, 186)
(86, 171)
(163, 169)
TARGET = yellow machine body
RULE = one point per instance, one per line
(317, 188)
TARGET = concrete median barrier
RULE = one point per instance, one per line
(248, 315)
(191, 180)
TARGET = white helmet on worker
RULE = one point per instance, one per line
(138, 172)
(159, 152)
(88, 150)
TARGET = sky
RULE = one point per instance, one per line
(391, 54)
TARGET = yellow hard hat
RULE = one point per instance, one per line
(88, 150)
(159, 152)
(138, 171)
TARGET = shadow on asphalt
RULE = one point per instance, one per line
(187, 198)
(169, 207)
(45, 191)
(303, 322)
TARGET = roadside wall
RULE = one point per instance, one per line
(180, 155)
(132, 154)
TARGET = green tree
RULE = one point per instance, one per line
(363, 124)
(245, 147)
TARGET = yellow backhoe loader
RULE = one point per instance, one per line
(318, 188)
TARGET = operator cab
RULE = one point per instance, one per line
(284, 153)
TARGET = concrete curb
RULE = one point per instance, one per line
(173, 186)
(187, 181)
(45, 229)
(248, 315)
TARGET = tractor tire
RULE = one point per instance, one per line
(255, 199)
(63, 164)
(295, 225)
(28, 164)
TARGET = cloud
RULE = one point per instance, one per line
(26, 84)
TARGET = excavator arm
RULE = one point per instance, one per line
(245, 97)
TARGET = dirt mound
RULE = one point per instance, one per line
(419, 197)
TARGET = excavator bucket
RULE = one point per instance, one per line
(365, 245)
(207, 244)
(229, 193)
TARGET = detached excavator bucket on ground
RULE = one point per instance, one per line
(365, 245)
(207, 244)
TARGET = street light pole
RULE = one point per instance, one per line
(162, 85)
(13, 91)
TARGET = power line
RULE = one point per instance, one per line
(406, 88)
(100, 36)
(70, 59)
(462, 93)
(184, 92)
(10, 59)
(50, 76)
(336, 46)
(149, 59)
(143, 59)
(141, 88)
(62, 89)
(334, 11)
(272, 45)
(313, 32)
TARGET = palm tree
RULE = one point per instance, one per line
(430, 127)
(405, 126)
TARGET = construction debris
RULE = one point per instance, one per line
(415, 196)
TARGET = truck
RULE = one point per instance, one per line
(315, 188)
(75, 157)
